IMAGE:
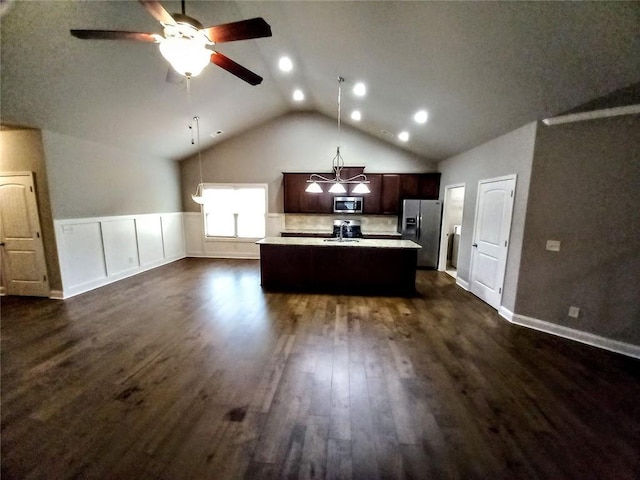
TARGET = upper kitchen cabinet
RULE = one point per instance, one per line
(371, 203)
(390, 193)
(429, 186)
(420, 185)
(387, 191)
(296, 200)
(399, 186)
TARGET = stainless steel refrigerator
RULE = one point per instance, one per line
(420, 222)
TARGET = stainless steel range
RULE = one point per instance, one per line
(347, 229)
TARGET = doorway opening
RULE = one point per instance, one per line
(451, 228)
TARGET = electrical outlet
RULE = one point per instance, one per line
(574, 312)
(553, 245)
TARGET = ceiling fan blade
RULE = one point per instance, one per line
(242, 30)
(236, 69)
(158, 11)
(113, 35)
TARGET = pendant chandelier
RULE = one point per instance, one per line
(338, 183)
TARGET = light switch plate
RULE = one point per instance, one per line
(553, 245)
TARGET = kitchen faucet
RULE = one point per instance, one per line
(341, 234)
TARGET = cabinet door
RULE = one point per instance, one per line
(296, 200)
(390, 198)
(430, 186)
(372, 200)
(409, 185)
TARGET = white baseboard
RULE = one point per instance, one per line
(504, 312)
(462, 283)
(56, 295)
(237, 256)
(573, 334)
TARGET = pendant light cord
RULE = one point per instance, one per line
(338, 158)
(196, 120)
(340, 80)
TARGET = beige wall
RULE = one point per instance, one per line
(88, 179)
(300, 142)
(585, 192)
(508, 154)
(21, 151)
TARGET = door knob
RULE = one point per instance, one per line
(1, 244)
(475, 245)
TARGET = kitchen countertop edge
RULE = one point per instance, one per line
(321, 242)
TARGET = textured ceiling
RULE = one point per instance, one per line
(481, 69)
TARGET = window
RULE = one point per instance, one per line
(235, 211)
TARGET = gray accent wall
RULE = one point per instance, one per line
(505, 155)
(88, 179)
(585, 192)
(302, 142)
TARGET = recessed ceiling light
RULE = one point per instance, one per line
(356, 115)
(285, 64)
(298, 95)
(360, 89)
(421, 116)
(403, 136)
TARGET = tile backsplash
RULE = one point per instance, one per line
(324, 223)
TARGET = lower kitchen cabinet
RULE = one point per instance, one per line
(320, 268)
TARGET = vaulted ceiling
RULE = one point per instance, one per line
(480, 69)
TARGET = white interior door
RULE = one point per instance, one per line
(24, 270)
(494, 208)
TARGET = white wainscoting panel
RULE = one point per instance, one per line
(173, 235)
(150, 246)
(194, 234)
(120, 246)
(94, 252)
(81, 254)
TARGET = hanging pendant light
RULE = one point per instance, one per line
(338, 183)
(198, 196)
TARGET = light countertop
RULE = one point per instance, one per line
(325, 242)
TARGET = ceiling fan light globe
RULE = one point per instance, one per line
(188, 57)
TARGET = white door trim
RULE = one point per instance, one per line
(442, 261)
(513, 177)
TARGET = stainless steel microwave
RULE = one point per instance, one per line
(347, 204)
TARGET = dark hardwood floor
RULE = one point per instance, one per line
(192, 371)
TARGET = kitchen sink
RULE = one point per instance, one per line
(341, 240)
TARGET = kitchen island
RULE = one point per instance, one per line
(350, 266)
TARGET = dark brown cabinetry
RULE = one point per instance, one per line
(387, 191)
(386, 271)
(399, 186)
(296, 200)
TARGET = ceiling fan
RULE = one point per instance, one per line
(184, 40)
